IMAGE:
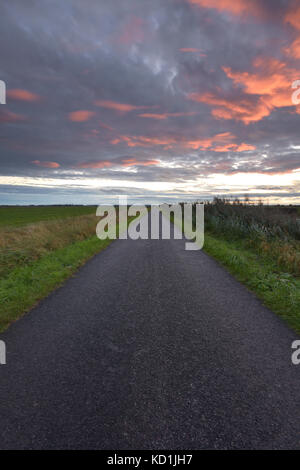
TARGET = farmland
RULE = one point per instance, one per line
(22, 215)
(40, 247)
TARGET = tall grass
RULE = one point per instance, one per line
(36, 258)
(24, 245)
(271, 231)
(243, 219)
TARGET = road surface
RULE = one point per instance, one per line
(150, 346)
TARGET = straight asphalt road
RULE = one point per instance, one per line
(150, 346)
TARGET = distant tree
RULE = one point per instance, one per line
(246, 199)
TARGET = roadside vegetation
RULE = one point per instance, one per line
(24, 245)
(40, 247)
(260, 245)
(37, 257)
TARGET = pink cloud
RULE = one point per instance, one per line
(100, 164)
(218, 143)
(120, 107)
(235, 7)
(22, 95)
(127, 162)
(134, 162)
(165, 115)
(245, 147)
(81, 115)
(265, 88)
(46, 164)
(8, 116)
(293, 17)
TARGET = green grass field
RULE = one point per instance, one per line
(40, 247)
(17, 216)
(260, 246)
(277, 289)
(25, 285)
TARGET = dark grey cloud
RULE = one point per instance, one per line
(92, 57)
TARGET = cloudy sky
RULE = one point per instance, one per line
(158, 99)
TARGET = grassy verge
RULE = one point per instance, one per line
(25, 285)
(37, 257)
(21, 246)
(280, 291)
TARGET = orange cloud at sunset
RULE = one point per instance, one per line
(46, 164)
(236, 7)
(293, 49)
(126, 162)
(218, 143)
(266, 88)
(143, 141)
(293, 17)
(120, 107)
(225, 148)
(271, 80)
(223, 142)
(240, 109)
(154, 116)
(134, 162)
(8, 116)
(22, 95)
(81, 116)
(101, 164)
(208, 143)
(165, 115)
(245, 147)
